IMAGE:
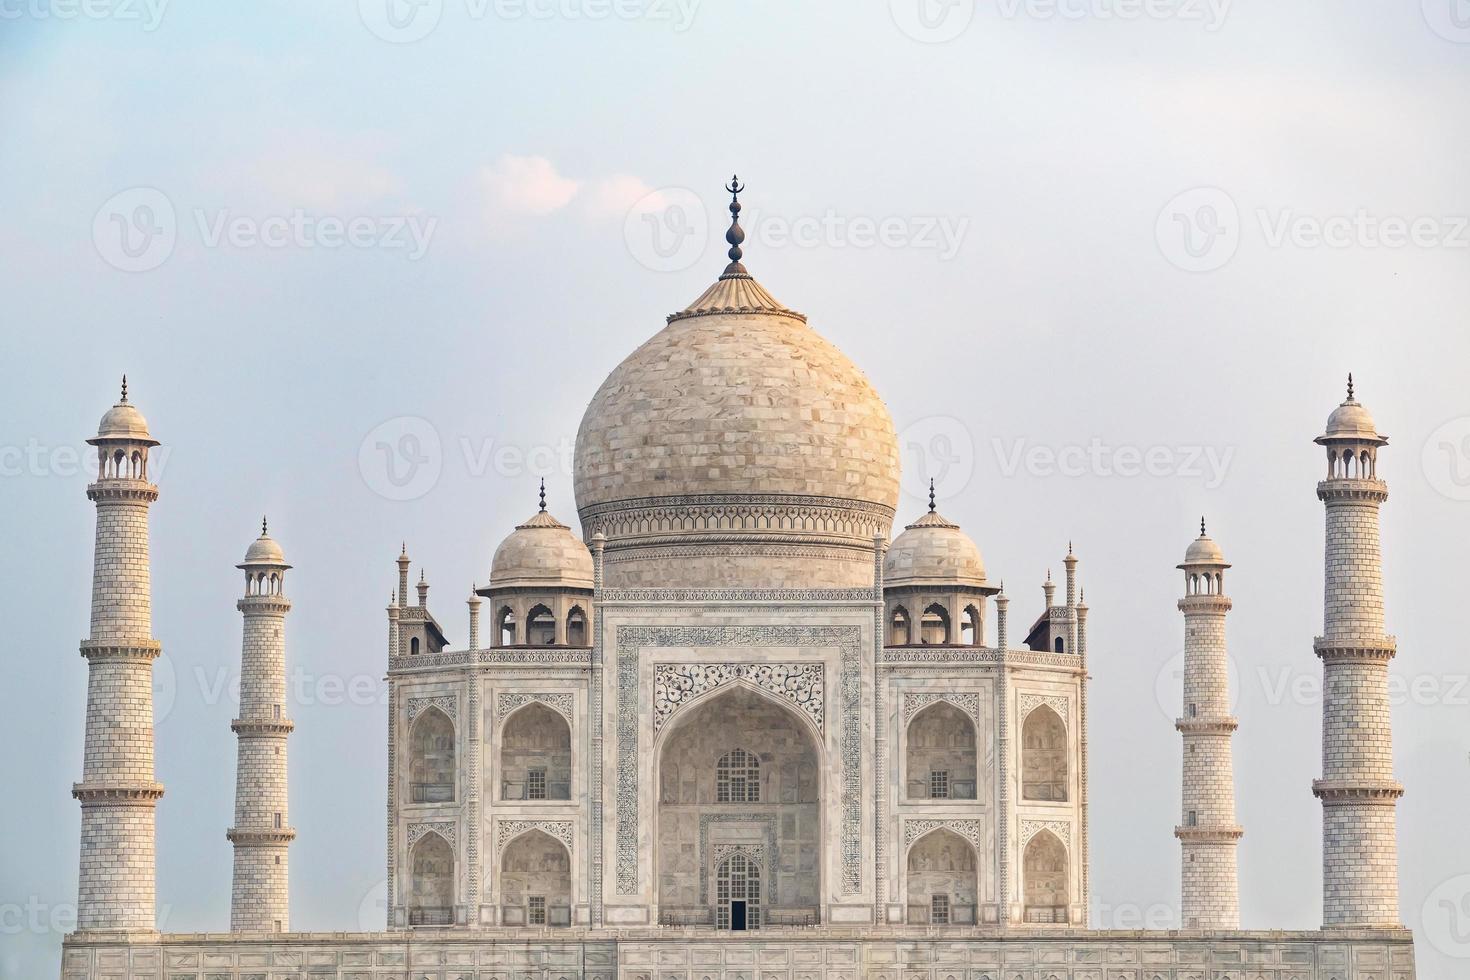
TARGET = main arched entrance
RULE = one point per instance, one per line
(739, 838)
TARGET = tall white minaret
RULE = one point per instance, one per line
(1208, 882)
(260, 899)
(1358, 792)
(118, 793)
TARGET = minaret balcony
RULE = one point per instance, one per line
(268, 835)
(1367, 491)
(262, 726)
(143, 651)
(1357, 791)
(1210, 833)
(122, 489)
(1222, 725)
(117, 793)
(1380, 648)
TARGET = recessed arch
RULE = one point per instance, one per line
(693, 825)
(1044, 768)
(535, 754)
(942, 880)
(972, 627)
(536, 881)
(934, 625)
(540, 626)
(900, 629)
(577, 627)
(940, 754)
(505, 626)
(431, 758)
(431, 885)
(1044, 879)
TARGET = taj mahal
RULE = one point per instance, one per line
(729, 722)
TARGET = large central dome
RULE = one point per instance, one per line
(737, 431)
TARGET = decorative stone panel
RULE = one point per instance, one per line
(508, 830)
(801, 685)
(1061, 828)
(914, 703)
(444, 828)
(970, 830)
(564, 703)
(447, 703)
(1026, 703)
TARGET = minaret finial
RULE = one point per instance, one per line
(1350, 386)
(262, 525)
(125, 388)
(1202, 525)
(736, 234)
(931, 494)
(543, 495)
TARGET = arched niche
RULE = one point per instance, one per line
(536, 755)
(1044, 774)
(1044, 879)
(771, 754)
(431, 885)
(431, 758)
(940, 754)
(536, 881)
(942, 879)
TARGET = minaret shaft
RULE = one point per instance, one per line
(118, 792)
(1357, 788)
(1208, 833)
(262, 834)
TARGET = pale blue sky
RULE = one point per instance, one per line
(1031, 297)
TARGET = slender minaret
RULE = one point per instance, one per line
(118, 793)
(260, 899)
(1358, 792)
(1208, 835)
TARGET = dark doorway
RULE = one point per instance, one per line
(737, 916)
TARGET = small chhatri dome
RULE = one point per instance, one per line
(1351, 421)
(541, 552)
(264, 551)
(1203, 550)
(123, 422)
(933, 551)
